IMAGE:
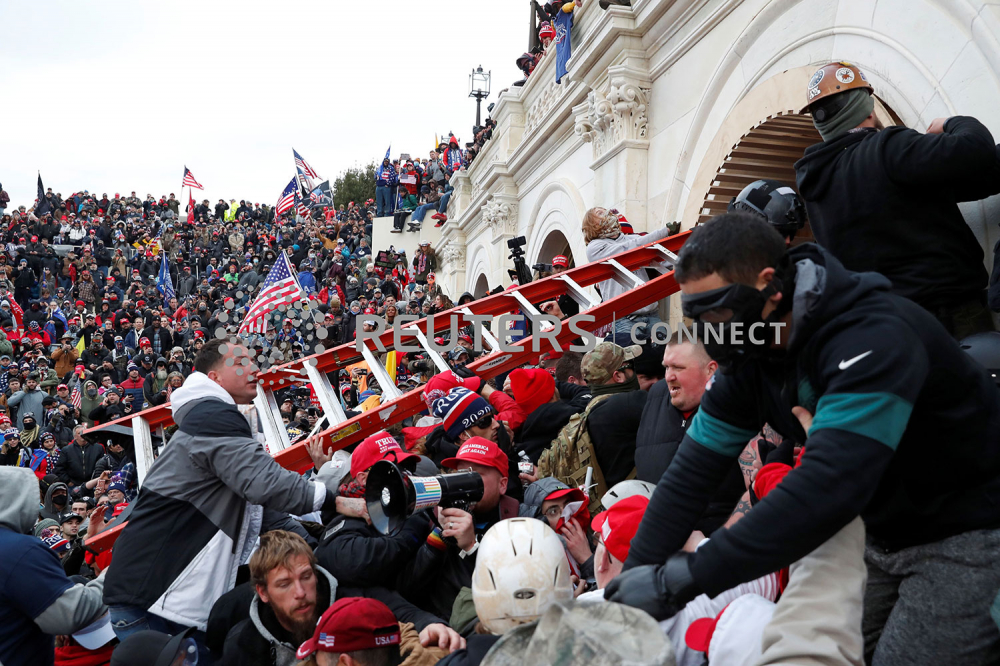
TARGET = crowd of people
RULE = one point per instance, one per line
(712, 499)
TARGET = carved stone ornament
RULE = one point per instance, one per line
(454, 256)
(540, 108)
(618, 116)
(500, 216)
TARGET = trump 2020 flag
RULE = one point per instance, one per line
(564, 48)
(321, 196)
(164, 283)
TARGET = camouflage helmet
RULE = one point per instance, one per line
(600, 363)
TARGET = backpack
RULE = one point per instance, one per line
(571, 453)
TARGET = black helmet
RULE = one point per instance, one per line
(775, 202)
(984, 348)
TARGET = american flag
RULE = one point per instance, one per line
(287, 199)
(189, 180)
(300, 207)
(281, 286)
(304, 166)
(76, 398)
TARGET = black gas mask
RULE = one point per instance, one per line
(729, 320)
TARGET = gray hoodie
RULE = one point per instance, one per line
(50, 511)
(79, 605)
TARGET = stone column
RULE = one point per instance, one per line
(614, 121)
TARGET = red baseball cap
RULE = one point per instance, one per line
(441, 383)
(481, 451)
(618, 525)
(377, 447)
(352, 623)
(560, 260)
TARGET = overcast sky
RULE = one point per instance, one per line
(118, 95)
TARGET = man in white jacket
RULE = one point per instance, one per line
(201, 506)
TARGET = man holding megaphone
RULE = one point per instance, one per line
(445, 562)
(353, 550)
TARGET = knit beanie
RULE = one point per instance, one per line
(532, 388)
(859, 106)
(459, 410)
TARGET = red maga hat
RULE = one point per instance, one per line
(352, 623)
(379, 446)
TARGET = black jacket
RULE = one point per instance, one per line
(435, 575)
(543, 425)
(76, 465)
(613, 425)
(358, 555)
(888, 201)
(887, 385)
(661, 430)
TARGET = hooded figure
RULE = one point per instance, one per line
(40, 602)
(56, 499)
(89, 399)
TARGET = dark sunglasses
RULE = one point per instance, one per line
(485, 422)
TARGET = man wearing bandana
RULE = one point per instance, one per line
(602, 232)
(872, 385)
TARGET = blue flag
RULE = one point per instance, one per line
(386, 157)
(58, 314)
(564, 48)
(164, 283)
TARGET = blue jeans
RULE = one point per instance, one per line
(418, 214)
(127, 620)
(443, 204)
(383, 200)
(643, 333)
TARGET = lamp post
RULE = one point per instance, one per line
(479, 87)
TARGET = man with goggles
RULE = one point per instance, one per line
(877, 385)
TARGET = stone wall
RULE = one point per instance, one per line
(658, 94)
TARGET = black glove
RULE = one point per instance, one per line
(465, 373)
(783, 453)
(660, 590)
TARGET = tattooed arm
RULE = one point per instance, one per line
(741, 510)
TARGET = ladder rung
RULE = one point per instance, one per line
(577, 293)
(624, 276)
(328, 396)
(488, 336)
(668, 255)
(526, 305)
(270, 415)
(143, 438)
(435, 356)
(389, 390)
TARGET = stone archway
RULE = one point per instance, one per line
(482, 287)
(555, 243)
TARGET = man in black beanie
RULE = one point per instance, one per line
(886, 199)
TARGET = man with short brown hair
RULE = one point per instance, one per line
(202, 502)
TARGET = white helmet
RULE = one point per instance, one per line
(627, 488)
(521, 570)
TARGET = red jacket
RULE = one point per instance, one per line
(508, 411)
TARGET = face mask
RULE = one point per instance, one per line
(91, 392)
(58, 500)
